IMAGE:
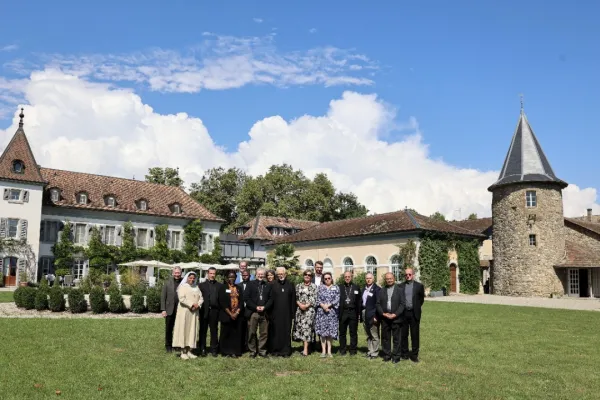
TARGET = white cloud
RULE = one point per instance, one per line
(83, 126)
(9, 47)
(258, 20)
(218, 63)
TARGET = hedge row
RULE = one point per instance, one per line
(53, 299)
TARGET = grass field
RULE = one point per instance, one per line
(6, 297)
(469, 351)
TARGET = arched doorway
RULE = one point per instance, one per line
(453, 278)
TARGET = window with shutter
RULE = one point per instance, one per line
(3, 226)
(6, 194)
(12, 228)
(26, 196)
(168, 239)
(23, 229)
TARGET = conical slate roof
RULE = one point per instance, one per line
(526, 161)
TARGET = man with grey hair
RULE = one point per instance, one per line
(258, 301)
(369, 315)
(284, 311)
(238, 275)
(168, 306)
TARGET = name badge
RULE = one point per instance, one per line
(282, 290)
(369, 294)
(227, 291)
(356, 292)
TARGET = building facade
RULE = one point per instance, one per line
(38, 202)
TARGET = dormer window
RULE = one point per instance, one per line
(110, 201)
(82, 198)
(18, 166)
(176, 208)
(55, 195)
(142, 205)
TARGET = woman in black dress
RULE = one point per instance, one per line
(230, 314)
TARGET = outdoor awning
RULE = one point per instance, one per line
(205, 267)
(147, 263)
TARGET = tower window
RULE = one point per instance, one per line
(530, 199)
(532, 240)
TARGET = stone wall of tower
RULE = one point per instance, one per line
(519, 268)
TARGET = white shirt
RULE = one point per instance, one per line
(318, 279)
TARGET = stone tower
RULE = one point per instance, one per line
(528, 221)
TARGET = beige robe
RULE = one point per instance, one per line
(185, 333)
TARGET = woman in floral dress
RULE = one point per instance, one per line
(306, 297)
(327, 321)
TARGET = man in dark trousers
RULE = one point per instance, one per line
(284, 311)
(168, 306)
(369, 315)
(258, 304)
(390, 308)
(243, 286)
(349, 313)
(317, 279)
(209, 313)
(413, 294)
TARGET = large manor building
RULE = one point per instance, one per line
(37, 202)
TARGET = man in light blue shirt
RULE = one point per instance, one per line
(243, 267)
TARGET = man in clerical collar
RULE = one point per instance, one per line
(349, 313)
(209, 313)
(259, 302)
(413, 294)
(318, 276)
(284, 311)
(369, 315)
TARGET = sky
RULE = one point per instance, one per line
(406, 104)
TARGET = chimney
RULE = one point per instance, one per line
(589, 214)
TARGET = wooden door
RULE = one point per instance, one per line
(10, 271)
(453, 278)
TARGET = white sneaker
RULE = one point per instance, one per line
(191, 355)
(184, 356)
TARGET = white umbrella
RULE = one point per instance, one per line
(144, 263)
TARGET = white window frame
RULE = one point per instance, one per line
(47, 265)
(309, 263)
(16, 227)
(573, 282)
(79, 235)
(177, 208)
(143, 205)
(14, 193)
(82, 198)
(533, 240)
(55, 195)
(530, 198)
(78, 268)
(21, 164)
(396, 266)
(110, 201)
(347, 266)
(109, 235)
(142, 232)
(176, 240)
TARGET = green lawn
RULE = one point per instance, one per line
(6, 297)
(468, 351)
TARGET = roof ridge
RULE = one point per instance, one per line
(112, 177)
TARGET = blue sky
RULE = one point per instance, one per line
(457, 67)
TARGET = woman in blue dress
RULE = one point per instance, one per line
(327, 321)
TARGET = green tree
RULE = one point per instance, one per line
(217, 191)
(64, 249)
(214, 257)
(128, 249)
(98, 253)
(192, 235)
(472, 216)
(438, 215)
(164, 176)
(160, 251)
(284, 256)
(346, 205)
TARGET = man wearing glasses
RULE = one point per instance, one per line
(413, 294)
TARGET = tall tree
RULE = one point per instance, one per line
(217, 191)
(164, 176)
(438, 215)
(346, 205)
(472, 216)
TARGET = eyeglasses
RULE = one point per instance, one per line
(408, 274)
(327, 279)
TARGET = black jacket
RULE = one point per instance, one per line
(168, 297)
(418, 297)
(205, 288)
(354, 307)
(225, 302)
(371, 306)
(397, 304)
(252, 297)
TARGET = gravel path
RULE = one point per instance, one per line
(563, 303)
(9, 310)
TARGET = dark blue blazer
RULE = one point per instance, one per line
(371, 306)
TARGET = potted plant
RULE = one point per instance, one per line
(22, 278)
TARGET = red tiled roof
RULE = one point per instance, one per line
(18, 149)
(398, 221)
(258, 227)
(479, 225)
(580, 255)
(590, 226)
(126, 192)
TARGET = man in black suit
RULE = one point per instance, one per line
(349, 313)
(390, 307)
(413, 294)
(258, 304)
(168, 306)
(209, 313)
(369, 315)
(243, 286)
(317, 278)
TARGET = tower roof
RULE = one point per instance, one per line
(526, 161)
(17, 162)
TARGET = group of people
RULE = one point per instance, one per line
(262, 314)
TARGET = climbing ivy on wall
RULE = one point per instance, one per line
(468, 261)
(433, 261)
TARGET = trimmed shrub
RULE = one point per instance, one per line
(41, 300)
(153, 300)
(115, 303)
(28, 297)
(97, 301)
(77, 303)
(126, 289)
(56, 303)
(137, 302)
(17, 296)
(86, 285)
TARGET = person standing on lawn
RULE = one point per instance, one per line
(284, 312)
(327, 321)
(258, 304)
(390, 307)
(306, 299)
(185, 334)
(168, 306)
(231, 305)
(369, 315)
(243, 286)
(349, 313)
(209, 315)
(414, 297)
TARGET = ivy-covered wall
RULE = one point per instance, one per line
(468, 262)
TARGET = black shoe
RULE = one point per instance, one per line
(386, 359)
(253, 355)
(414, 359)
(404, 358)
(342, 353)
(169, 349)
(263, 355)
(203, 353)
(395, 361)
(215, 354)
(352, 353)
